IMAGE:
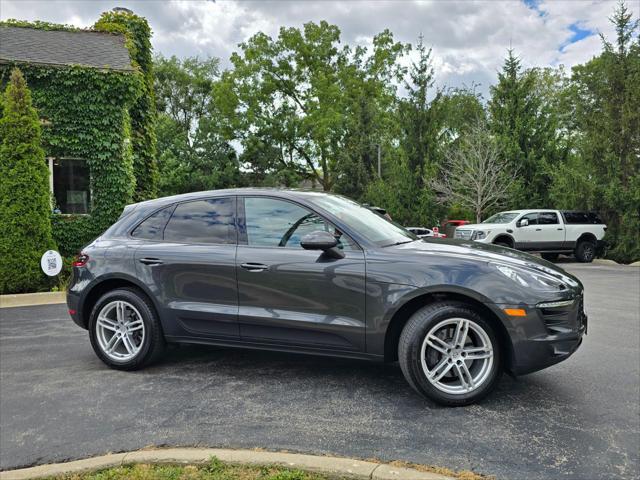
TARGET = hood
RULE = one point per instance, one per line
(470, 250)
(482, 226)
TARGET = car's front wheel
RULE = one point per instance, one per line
(124, 329)
(450, 354)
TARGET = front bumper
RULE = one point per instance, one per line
(546, 336)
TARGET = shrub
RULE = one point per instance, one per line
(25, 227)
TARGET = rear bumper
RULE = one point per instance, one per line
(544, 337)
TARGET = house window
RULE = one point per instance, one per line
(70, 184)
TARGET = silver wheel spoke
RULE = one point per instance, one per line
(477, 353)
(107, 323)
(135, 325)
(111, 346)
(128, 344)
(441, 370)
(120, 311)
(437, 344)
(462, 328)
(465, 376)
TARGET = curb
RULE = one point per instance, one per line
(348, 467)
(29, 299)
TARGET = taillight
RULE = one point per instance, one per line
(80, 260)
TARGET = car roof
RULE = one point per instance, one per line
(279, 192)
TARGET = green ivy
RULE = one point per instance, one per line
(106, 117)
(143, 112)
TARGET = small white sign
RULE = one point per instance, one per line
(51, 263)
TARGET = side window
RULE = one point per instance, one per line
(203, 221)
(153, 226)
(278, 223)
(532, 217)
(547, 218)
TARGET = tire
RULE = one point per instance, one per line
(585, 251)
(551, 257)
(146, 340)
(414, 354)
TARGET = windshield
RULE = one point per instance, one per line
(370, 225)
(502, 217)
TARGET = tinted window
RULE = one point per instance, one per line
(532, 217)
(203, 221)
(547, 218)
(581, 218)
(278, 223)
(153, 226)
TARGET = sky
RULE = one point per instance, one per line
(469, 38)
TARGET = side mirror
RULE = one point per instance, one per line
(524, 222)
(321, 240)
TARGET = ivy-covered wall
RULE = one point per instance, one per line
(143, 112)
(106, 117)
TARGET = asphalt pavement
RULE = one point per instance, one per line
(579, 419)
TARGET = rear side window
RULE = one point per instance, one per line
(547, 218)
(153, 226)
(584, 218)
(203, 221)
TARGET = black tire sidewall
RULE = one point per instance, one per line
(150, 324)
(419, 325)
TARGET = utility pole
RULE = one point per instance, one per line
(379, 165)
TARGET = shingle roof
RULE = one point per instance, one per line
(59, 47)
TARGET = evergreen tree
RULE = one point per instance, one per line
(526, 132)
(420, 117)
(606, 168)
(25, 208)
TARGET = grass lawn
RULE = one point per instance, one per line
(214, 470)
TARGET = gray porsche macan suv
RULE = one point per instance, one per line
(317, 273)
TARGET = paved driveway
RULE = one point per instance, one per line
(577, 420)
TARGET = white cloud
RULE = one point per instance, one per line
(469, 39)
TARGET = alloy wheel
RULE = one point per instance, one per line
(120, 330)
(457, 356)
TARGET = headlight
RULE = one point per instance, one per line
(530, 279)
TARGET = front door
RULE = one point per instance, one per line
(296, 297)
(191, 269)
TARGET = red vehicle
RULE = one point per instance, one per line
(451, 225)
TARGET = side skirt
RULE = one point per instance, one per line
(274, 347)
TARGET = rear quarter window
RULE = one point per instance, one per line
(581, 218)
(153, 227)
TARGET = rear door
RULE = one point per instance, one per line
(296, 297)
(190, 268)
(551, 231)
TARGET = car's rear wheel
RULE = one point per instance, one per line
(552, 257)
(585, 251)
(124, 329)
(450, 354)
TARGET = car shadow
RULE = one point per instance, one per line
(304, 374)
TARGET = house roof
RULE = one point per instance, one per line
(62, 48)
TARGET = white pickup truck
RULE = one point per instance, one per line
(550, 232)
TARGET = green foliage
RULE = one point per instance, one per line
(302, 95)
(193, 152)
(404, 200)
(604, 172)
(25, 230)
(143, 111)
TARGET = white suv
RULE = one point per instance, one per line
(550, 232)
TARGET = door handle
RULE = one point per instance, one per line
(254, 267)
(560, 229)
(150, 261)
